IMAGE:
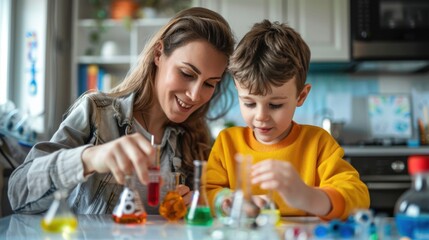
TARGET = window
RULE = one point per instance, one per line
(5, 32)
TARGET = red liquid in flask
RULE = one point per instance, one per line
(153, 187)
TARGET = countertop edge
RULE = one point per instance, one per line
(353, 151)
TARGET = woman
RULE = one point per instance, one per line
(167, 95)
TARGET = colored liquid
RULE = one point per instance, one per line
(273, 214)
(60, 224)
(172, 208)
(413, 227)
(153, 194)
(153, 188)
(201, 216)
(130, 218)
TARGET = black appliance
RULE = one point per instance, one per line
(386, 176)
(389, 29)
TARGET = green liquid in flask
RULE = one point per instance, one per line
(201, 216)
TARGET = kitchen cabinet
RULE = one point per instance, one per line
(323, 24)
(242, 14)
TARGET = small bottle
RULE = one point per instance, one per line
(59, 218)
(154, 184)
(173, 207)
(199, 210)
(271, 211)
(412, 208)
(129, 209)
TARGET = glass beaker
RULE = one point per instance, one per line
(59, 218)
(129, 208)
(173, 207)
(199, 211)
(154, 185)
(241, 210)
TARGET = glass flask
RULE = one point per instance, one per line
(173, 207)
(412, 208)
(199, 210)
(129, 209)
(154, 185)
(222, 206)
(59, 218)
(243, 210)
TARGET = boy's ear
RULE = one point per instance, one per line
(157, 52)
(303, 95)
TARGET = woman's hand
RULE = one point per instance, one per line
(185, 192)
(121, 157)
(282, 177)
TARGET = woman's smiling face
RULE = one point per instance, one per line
(187, 78)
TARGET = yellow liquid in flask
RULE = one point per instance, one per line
(60, 224)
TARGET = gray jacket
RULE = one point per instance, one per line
(57, 164)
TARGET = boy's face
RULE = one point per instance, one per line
(270, 116)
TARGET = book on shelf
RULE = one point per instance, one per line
(82, 76)
(92, 77)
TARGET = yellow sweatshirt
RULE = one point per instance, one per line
(315, 155)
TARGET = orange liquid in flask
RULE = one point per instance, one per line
(173, 208)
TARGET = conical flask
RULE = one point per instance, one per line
(129, 209)
(199, 211)
(59, 218)
(173, 207)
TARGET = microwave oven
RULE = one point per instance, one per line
(389, 29)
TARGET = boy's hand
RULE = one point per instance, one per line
(226, 206)
(261, 200)
(281, 176)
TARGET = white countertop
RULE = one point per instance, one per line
(350, 151)
(20, 226)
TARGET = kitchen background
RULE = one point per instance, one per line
(49, 54)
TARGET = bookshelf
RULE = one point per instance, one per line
(125, 39)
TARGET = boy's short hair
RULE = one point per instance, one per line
(270, 54)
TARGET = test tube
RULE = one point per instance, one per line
(154, 176)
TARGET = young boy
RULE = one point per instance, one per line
(303, 165)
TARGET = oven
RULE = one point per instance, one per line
(387, 179)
